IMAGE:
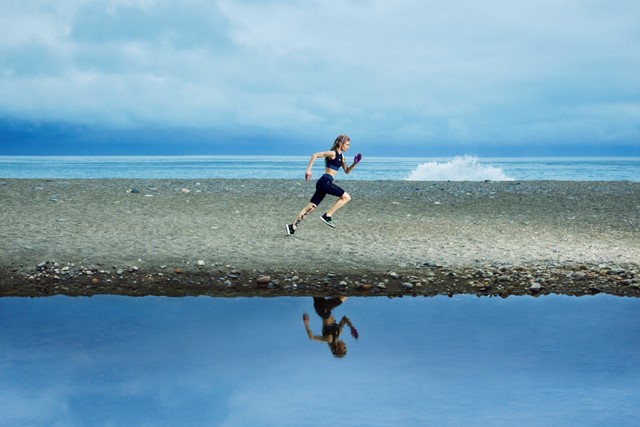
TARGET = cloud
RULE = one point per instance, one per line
(437, 71)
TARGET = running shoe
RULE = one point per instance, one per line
(327, 220)
(290, 229)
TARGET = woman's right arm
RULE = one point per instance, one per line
(314, 157)
(305, 319)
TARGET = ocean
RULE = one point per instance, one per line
(461, 168)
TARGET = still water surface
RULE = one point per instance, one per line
(523, 361)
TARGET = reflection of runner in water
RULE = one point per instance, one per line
(331, 330)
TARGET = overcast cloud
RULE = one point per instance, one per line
(416, 72)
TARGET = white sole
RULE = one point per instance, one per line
(329, 224)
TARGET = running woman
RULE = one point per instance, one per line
(334, 160)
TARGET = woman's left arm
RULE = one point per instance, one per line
(354, 331)
(356, 160)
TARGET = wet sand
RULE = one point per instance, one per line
(224, 237)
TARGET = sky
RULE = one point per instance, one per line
(435, 77)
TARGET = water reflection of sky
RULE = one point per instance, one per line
(248, 361)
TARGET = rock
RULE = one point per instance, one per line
(535, 287)
(200, 262)
(407, 285)
(263, 280)
(579, 276)
(393, 274)
(179, 271)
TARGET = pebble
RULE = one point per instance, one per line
(553, 277)
(263, 280)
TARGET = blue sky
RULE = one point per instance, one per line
(232, 77)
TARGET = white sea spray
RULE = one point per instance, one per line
(460, 168)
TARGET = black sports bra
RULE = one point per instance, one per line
(336, 163)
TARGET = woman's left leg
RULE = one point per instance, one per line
(340, 202)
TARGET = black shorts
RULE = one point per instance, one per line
(325, 186)
(323, 306)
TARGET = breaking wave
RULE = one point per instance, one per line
(460, 168)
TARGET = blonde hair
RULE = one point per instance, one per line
(341, 139)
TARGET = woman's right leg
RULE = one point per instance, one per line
(303, 213)
(317, 197)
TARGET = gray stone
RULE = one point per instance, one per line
(263, 280)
